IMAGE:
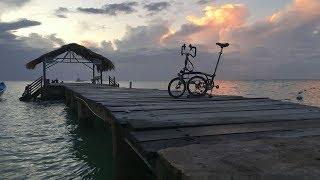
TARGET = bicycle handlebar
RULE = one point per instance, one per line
(183, 49)
(194, 52)
(191, 49)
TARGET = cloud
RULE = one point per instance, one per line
(16, 50)
(61, 12)
(92, 10)
(226, 15)
(22, 23)
(37, 41)
(112, 9)
(142, 38)
(14, 2)
(278, 47)
(201, 2)
(284, 45)
(156, 7)
(10, 5)
(208, 29)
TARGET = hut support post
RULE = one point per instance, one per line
(44, 73)
(101, 76)
(93, 74)
(44, 78)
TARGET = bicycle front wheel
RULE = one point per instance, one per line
(197, 86)
(176, 87)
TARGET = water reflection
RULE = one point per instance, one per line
(92, 146)
(42, 140)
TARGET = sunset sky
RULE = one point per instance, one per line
(274, 39)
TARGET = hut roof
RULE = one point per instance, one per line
(82, 51)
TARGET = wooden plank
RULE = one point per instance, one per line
(137, 104)
(200, 112)
(207, 109)
(165, 134)
(145, 124)
(215, 115)
(128, 107)
(125, 103)
(126, 93)
(167, 98)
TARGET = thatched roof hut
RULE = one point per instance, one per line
(104, 64)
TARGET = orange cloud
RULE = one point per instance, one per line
(229, 23)
(301, 9)
(209, 28)
(307, 6)
(167, 35)
(275, 17)
(226, 15)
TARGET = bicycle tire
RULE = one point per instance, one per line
(205, 86)
(183, 83)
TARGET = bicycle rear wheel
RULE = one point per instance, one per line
(197, 86)
(176, 87)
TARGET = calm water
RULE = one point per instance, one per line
(42, 140)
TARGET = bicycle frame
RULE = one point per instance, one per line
(184, 74)
(187, 54)
(209, 77)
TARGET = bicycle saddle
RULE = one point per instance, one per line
(223, 45)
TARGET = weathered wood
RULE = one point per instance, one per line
(121, 106)
(150, 128)
(166, 134)
(150, 148)
(143, 124)
(212, 116)
(202, 110)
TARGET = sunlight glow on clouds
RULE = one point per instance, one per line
(275, 46)
(228, 14)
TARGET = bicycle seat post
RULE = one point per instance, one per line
(215, 69)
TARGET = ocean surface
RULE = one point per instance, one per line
(42, 140)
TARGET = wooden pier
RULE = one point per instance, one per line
(223, 137)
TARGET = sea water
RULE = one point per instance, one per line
(42, 140)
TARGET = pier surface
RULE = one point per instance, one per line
(223, 137)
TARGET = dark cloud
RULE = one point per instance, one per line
(126, 8)
(112, 9)
(142, 38)
(10, 5)
(201, 2)
(153, 8)
(16, 51)
(61, 12)
(22, 23)
(14, 2)
(92, 10)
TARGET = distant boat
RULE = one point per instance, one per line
(2, 88)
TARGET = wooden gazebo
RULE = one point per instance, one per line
(73, 53)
